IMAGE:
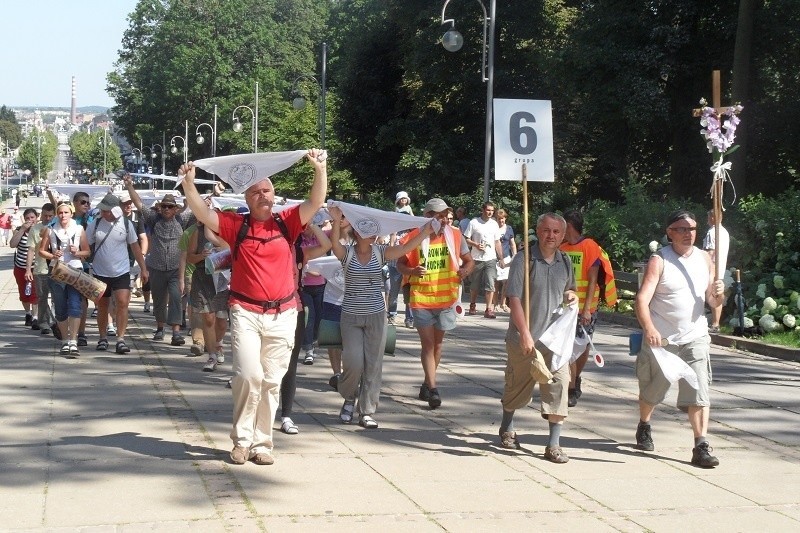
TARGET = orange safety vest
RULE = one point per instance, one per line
(584, 255)
(438, 288)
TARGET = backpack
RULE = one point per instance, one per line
(245, 227)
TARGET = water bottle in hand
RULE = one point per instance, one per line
(28, 289)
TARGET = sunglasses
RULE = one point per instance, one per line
(167, 207)
(83, 202)
(683, 230)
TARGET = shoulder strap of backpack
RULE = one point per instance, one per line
(243, 229)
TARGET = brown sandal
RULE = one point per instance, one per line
(508, 440)
(555, 455)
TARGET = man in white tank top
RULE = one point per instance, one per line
(670, 306)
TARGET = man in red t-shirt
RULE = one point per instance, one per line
(263, 306)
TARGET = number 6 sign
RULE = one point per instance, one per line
(523, 133)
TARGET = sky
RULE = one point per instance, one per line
(54, 40)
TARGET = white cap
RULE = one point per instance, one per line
(399, 196)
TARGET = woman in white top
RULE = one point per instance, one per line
(363, 321)
(66, 241)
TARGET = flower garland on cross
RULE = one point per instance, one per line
(719, 130)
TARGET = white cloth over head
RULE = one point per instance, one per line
(243, 170)
(371, 222)
(70, 189)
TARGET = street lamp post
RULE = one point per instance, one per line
(299, 101)
(39, 143)
(152, 149)
(200, 139)
(237, 126)
(104, 144)
(185, 148)
(452, 42)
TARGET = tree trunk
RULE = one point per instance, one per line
(741, 90)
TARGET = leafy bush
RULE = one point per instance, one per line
(625, 230)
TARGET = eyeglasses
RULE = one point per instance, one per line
(167, 207)
(682, 229)
(83, 202)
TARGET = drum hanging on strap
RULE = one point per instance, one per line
(90, 287)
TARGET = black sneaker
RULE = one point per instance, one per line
(334, 382)
(56, 331)
(35, 325)
(572, 397)
(82, 341)
(644, 441)
(28, 319)
(178, 340)
(424, 392)
(578, 391)
(434, 400)
(702, 457)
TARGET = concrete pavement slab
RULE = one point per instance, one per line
(140, 443)
(707, 520)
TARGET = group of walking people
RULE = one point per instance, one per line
(266, 313)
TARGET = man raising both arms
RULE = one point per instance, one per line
(262, 304)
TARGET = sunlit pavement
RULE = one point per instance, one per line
(139, 442)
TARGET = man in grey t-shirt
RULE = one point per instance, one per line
(552, 283)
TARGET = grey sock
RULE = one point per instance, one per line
(508, 421)
(700, 440)
(555, 434)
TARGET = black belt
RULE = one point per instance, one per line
(264, 305)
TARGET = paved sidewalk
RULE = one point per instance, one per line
(140, 442)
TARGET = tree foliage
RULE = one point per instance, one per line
(34, 156)
(623, 77)
(90, 152)
(10, 131)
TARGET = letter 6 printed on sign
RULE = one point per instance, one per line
(523, 134)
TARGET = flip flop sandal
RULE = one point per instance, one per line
(289, 427)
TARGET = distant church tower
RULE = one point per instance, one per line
(73, 113)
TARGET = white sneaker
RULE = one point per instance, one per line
(220, 357)
(111, 331)
(210, 365)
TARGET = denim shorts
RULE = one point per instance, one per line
(441, 319)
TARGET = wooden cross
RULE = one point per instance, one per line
(716, 189)
(716, 98)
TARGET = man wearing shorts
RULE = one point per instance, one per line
(111, 234)
(483, 235)
(435, 278)
(670, 305)
(552, 283)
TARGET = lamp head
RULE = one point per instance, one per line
(173, 148)
(452, 40)
(200, 139)
(299, 103)
(237, 126)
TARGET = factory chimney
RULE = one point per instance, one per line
(73, 113)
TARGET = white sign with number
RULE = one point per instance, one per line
(523, 134)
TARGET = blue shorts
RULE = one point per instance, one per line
(441, 319)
